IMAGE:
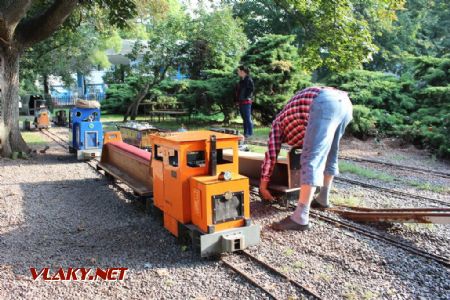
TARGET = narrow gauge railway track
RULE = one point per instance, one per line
(57, 139)
(381, 237)
(391, 191)
(383, 189)
(347, 225)
(386, 238)
(64, 144)
(398, 166)
(374, 161)
(301, 290)
(283, 281)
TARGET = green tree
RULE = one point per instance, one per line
(216, 41)
(157, 56)
(64, 53)
(330, 34)
(23, 23)
(431, 117)
(276, 70)
(207, 46)
(421, 29)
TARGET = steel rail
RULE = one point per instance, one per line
(374, 235)
(284, 276)
(248, 278)
(65, 144)
(309, 293)
(373, 161)
(390, 191)
(398, 166)
(304, 290)
(382, 237)
(59, 141)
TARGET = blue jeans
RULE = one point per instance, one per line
(246, 114)
(329, 115)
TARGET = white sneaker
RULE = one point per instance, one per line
(243, 147)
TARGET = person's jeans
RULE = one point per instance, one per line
(246, 114)
(329, 115)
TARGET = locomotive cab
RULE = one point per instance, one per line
(42, 118)
(199, 190)
(86, 132)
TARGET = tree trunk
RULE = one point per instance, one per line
(11, 139)
(46, 87)
(134, 106)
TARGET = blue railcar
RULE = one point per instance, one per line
(86, 132)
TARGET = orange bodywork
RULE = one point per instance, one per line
(180, 156)
(204, 188)
(43, 120)
(112, 136)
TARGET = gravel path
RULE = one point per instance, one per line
(410, 182)
(433, 238)
(57, 212)
(339, 264)
(393, 151)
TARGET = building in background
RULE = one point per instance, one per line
(92, 86)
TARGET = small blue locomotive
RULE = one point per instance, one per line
(86, 132)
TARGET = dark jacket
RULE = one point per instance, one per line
(245, 89)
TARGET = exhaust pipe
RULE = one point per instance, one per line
(213, 157)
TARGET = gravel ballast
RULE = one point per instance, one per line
(57, 212)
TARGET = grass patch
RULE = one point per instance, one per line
(347, 167)
(261, 132)
(397, 157)
(426, 186)
(298, 265)
(352, 292)
(33, 138)
(288, 252)
(323, 277)
(197, 122)
(417, 227)
(346, 201)
(369, 295)
(285, 270)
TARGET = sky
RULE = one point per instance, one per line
(194, 4)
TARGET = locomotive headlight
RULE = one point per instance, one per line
(225, 176)
(228, 195)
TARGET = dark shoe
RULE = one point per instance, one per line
(288, 224)
(316, 204)
(267, 202)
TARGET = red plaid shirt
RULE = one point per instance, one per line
(288, 127)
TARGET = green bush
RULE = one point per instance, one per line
(208, 96)
(119, 95)
(375, 90)
(275, 65)
(415, 106)
(363, 124)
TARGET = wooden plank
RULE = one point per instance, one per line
(138, 187)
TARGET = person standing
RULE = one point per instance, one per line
(245, 91)
(315, 120)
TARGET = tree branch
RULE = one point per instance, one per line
(11, 12)
(40, 27)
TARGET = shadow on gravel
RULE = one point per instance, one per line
(42, 159)
(83, 223)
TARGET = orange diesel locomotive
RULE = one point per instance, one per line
(196, 187)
